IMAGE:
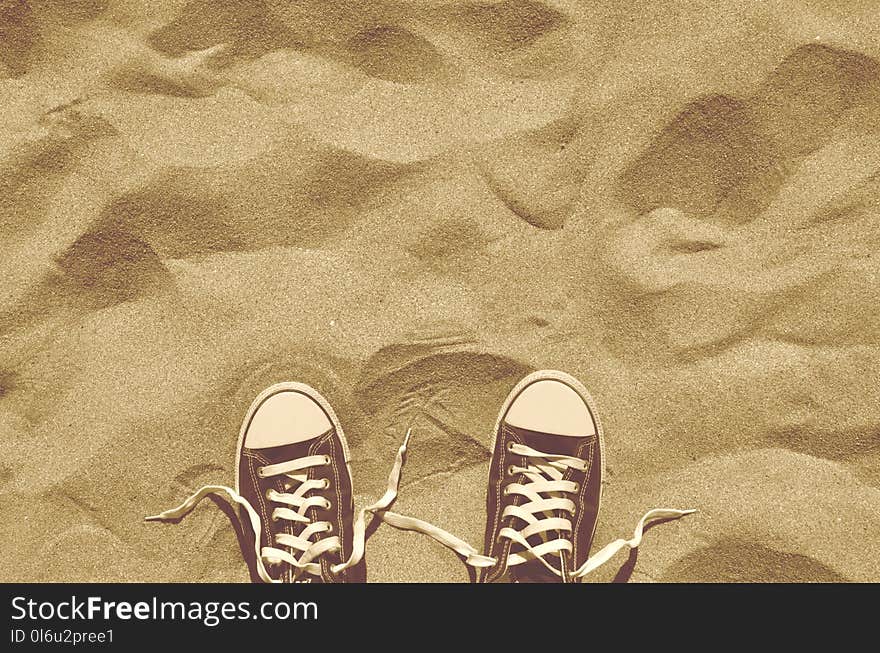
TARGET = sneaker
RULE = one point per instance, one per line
(293, 481)
(545, 488)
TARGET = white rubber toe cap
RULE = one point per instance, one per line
(551, 406)
(284, 418)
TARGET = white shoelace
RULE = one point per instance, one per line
(545, 492)
(544, 476)
(294, 508)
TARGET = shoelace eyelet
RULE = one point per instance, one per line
(577, 488)
(510, 471)
(510, 446)
(268, 494)
(329, 528)
(326, 483)
(327, 460)
(327, 504)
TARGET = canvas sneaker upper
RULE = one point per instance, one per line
(544, 491)
(294, 486)
(542, 504)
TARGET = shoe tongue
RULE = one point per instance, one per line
(288, 452)
(565, 445)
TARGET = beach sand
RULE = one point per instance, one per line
(410, 205)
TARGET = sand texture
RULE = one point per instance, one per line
(410, 205)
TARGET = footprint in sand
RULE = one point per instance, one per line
(447, 390)
(737, 236)
(726, 159)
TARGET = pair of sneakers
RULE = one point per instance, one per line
(293, 489)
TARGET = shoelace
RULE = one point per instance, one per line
(544, 476)
(297, 504)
